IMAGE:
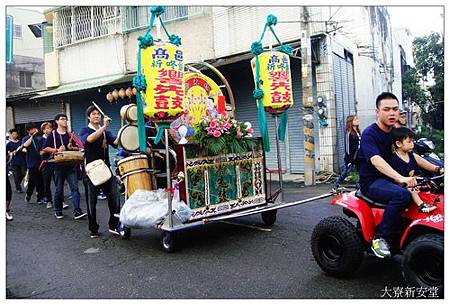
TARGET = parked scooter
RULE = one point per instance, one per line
(425, 148)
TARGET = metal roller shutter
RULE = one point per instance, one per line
(240, 77)
(345, 100)
(34, 111)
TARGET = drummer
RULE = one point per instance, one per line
(96, 139)
(59, 141)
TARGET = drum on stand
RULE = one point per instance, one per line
(135, 173)
(128, 138)
(129, 113)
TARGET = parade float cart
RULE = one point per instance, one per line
(216, 184)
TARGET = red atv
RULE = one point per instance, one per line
(338, 245)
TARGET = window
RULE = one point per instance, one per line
(17, 31)
(25, 79)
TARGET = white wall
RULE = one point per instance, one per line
(236, 28)
(28, 45)
(362, 38)
(91, 59)
(401, 38)
(196, 40)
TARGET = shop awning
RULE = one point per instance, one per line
(85, 85)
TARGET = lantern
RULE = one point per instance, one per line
(122, 93)
(129, 92)
(275, 80)
(202, 96)
(115, 94)
(163, 68)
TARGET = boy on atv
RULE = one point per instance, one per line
(404, 162)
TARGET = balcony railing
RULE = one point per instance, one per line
(138, 17)
(80, 23)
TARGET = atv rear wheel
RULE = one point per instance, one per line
(336, 246)
(423, 262)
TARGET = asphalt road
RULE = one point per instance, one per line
(51, 258)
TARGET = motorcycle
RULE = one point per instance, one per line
(425, 148)
(338, 246)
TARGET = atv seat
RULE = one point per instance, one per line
(369, 201)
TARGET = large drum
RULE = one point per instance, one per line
(128, 138)
(129, 113)
(135, 173)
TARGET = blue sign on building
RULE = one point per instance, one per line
(9, 39)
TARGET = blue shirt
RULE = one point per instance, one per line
(19, 158)
(94, 151)
(406, 169)
(374, 141)
(33, 156)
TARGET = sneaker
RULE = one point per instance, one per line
(380, 248)
(28, 199)
(95, 235)
(426, 208)
(334, 190)
(114, 232)
(9, 217)
(59, 215)
(78, 214)
(65, 205)
(41, 202)
(49, 205)
(101, 196)
(19, 191)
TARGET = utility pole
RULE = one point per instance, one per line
(307, 99)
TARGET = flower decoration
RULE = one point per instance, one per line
(221, 134)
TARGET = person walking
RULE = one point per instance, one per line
(60, 141)
(32, 145)
(352, 137)
(18, 164)
(96, 140)
(48, 168)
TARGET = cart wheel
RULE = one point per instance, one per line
(168, 241)
(124, 232)
(269, 217)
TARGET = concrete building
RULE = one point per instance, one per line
(94, 51)
(25, 74)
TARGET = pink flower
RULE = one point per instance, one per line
(250, 130)
(213, 124)
(239, 134)
(226, 126)
(217, 133)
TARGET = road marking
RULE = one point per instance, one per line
(92, 250)
(247, 226)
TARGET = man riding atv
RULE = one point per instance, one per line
(377, 179)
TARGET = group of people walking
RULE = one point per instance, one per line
(34, 155)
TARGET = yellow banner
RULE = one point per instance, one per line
(163, 68)
(275, 80)
(201, 95)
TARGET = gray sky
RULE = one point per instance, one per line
(421, 20)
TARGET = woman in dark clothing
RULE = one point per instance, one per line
(352, 137)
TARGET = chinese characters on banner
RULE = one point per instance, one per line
(275, 80)
(163, 68)
(203, 96)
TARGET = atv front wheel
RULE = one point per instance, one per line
(423, 262)
(336, 246)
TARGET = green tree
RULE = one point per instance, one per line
(428, 54)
